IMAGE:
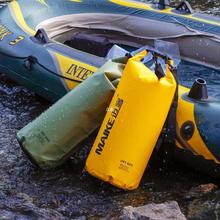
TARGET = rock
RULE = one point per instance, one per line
(203, 203)
(199, 210)
(164, 211)
(207, 188)
(200, 191)
(80, 218)
(22, 207)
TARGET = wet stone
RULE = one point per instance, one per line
(200, 209)
(21, 206)
(164, 211)
(208, 188)
(201, 191)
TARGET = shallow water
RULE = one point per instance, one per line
(188, 72)
(67, 192)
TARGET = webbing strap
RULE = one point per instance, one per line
(170, 125)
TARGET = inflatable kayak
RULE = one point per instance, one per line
(125, 21)
(45, 45)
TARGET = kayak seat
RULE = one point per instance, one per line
(93, 44)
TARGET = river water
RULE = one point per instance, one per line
(67, 192)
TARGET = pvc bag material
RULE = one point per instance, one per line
(132, 125)
(53, 136)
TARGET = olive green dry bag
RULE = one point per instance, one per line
(51, 138)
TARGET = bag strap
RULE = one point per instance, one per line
(170, 125)
(166, 143)
(155, 52)
(141, 53)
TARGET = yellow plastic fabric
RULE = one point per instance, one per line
(131, 126)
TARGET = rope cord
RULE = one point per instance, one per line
(41, 65)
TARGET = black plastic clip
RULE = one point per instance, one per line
(159, 71)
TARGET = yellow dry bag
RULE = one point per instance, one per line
(132, 125)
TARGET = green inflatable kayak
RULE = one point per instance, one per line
(50, 46)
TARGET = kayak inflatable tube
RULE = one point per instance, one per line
(198, 132)
(126, 22)
(33, 52)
